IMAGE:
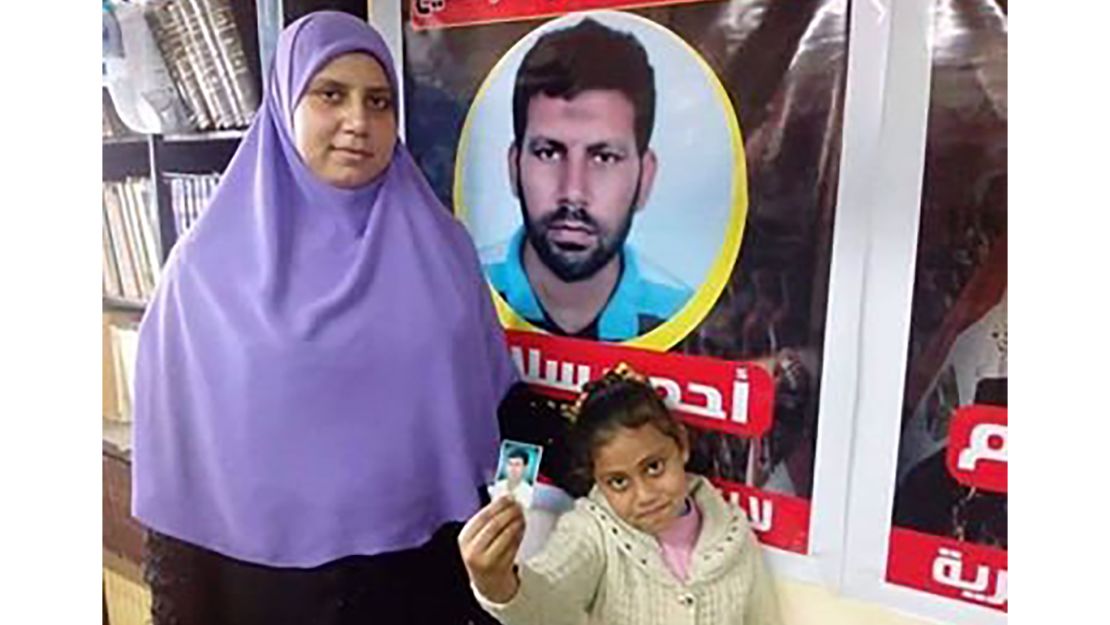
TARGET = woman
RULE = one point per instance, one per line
(320, 369)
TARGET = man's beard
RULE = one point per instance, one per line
(572, 265)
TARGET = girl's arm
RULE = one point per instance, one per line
(558, 585)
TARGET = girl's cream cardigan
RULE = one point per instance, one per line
(598, 569)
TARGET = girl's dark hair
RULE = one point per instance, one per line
(619, 399)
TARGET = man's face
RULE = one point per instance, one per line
(579, 178)
(514, 469)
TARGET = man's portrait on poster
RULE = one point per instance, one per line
(599, 171)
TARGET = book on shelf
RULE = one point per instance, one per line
(206, 59)
(119, 350)
(132, 255)
(189, 195)
(132, 251)
(110, 390)
(170, 34)
(233, 59)
(137, 239)
(124, 262)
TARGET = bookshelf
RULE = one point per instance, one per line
(123, 305)
(210, 48)
(139, 172)
(153, 156)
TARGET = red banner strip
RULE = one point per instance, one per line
(429, 14)
(779, 521)
(949, 568)
(721, 395)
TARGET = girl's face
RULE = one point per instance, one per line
(641, 471)
(345, 124)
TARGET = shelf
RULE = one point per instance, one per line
(125, 156)
(233, 134)
(123, 139)
(120, 304)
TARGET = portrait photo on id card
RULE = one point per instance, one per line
(517, 468)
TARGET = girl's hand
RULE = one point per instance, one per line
(489, 542)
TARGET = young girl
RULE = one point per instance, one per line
(649, 545)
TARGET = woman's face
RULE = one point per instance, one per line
(345, 124)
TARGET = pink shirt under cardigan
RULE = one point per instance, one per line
(677, 542)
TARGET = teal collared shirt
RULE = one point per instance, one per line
(636, 306)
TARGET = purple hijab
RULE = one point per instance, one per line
(319, 371)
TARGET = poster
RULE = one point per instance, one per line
(948, 535)
(655, 185)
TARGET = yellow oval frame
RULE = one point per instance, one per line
(695, 310)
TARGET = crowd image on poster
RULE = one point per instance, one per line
(950, 506)
(654, 185)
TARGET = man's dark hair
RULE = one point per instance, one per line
(564, 63)
(518, 453)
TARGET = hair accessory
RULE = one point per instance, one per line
(623, 372)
